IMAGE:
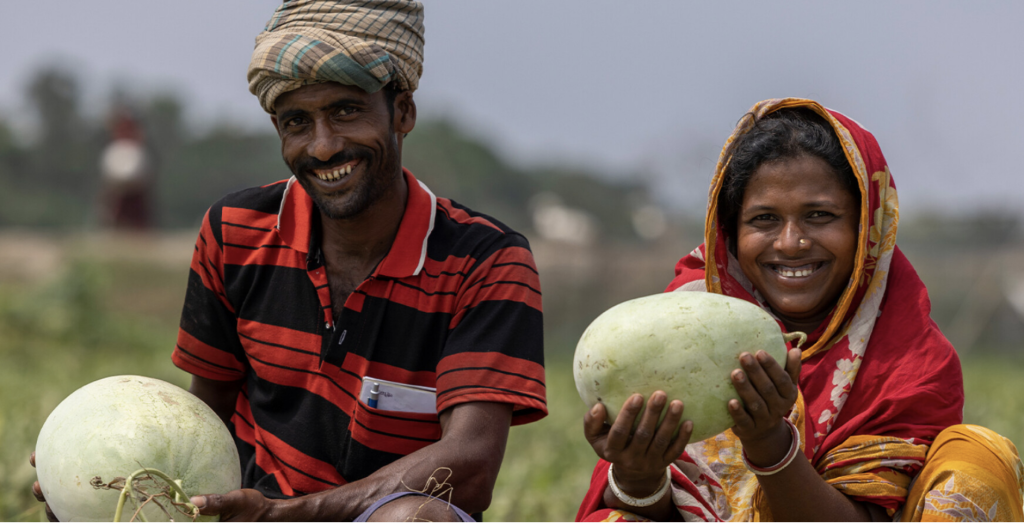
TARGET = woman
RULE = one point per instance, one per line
(863, 423)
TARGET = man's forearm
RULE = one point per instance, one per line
(460, 468)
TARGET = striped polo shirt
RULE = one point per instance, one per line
(455, 305)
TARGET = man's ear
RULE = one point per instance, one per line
(405, 113)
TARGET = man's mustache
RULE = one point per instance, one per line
(308, 164)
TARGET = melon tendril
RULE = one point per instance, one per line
(175, 493)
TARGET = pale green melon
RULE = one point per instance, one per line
(115, 426)
(684, 343)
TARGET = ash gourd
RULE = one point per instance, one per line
(128, 440)
(683, 343)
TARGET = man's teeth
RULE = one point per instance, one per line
(336, 174)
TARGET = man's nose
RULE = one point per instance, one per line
(792, 239)
(326, 142)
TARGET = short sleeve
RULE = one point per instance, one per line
(208, 344)
(495, 346)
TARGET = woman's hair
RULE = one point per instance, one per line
(784, 134)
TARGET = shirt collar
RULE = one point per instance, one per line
(409, 250)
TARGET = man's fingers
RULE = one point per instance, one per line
(32, 459)
(209, 504)
(37, 492)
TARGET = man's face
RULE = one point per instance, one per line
(342, 144)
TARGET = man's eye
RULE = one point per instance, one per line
(295, 121)
(346, 110)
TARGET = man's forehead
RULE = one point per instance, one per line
(313, 96)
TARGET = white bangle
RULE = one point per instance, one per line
(794, 449)
(646, 501)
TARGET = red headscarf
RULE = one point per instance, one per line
(879, 380)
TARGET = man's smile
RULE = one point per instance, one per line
(337, 172)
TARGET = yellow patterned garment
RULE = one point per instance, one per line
(971, 474)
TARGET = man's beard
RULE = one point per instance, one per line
(379, 174)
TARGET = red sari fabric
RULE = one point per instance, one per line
(878, 379)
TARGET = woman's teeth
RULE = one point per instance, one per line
(335, 175)
(798, 272)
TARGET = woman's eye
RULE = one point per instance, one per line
(762, 217)
(822, 213)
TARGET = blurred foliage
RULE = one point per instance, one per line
(54, 181)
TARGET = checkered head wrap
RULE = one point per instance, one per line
(359, 43)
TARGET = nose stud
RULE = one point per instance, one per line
(802, 241)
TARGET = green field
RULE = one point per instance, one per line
(97, 318)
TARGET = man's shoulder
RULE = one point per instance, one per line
(266, 198)
(461, 224)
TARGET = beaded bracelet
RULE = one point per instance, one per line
(646, 501)
(794, 448)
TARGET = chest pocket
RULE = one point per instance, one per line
(395, 432)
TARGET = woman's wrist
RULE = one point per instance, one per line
(642, 491)
(768, 460)
(769, 450)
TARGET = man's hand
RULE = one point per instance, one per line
(241, 505)
(37, 492)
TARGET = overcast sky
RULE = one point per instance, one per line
(622, 87)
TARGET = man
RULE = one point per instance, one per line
(312, 308)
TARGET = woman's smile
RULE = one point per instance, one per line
(797, 238)
(792, 273)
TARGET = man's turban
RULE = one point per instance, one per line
(366, 44)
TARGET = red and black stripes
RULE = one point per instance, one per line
(455, 305)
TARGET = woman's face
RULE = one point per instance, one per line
(797, 238)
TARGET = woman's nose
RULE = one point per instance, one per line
(792, 239)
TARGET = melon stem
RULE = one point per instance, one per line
(176, 493)
(795, 335)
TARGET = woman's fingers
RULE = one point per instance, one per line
(618, 435)
(780, 380)
(676, 447)
(739, 415)
(753, 404)
(793, 365)
(647, 428)
(594, 427)
(663, 436)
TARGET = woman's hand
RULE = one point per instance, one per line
(640, 457)
(768, 393)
